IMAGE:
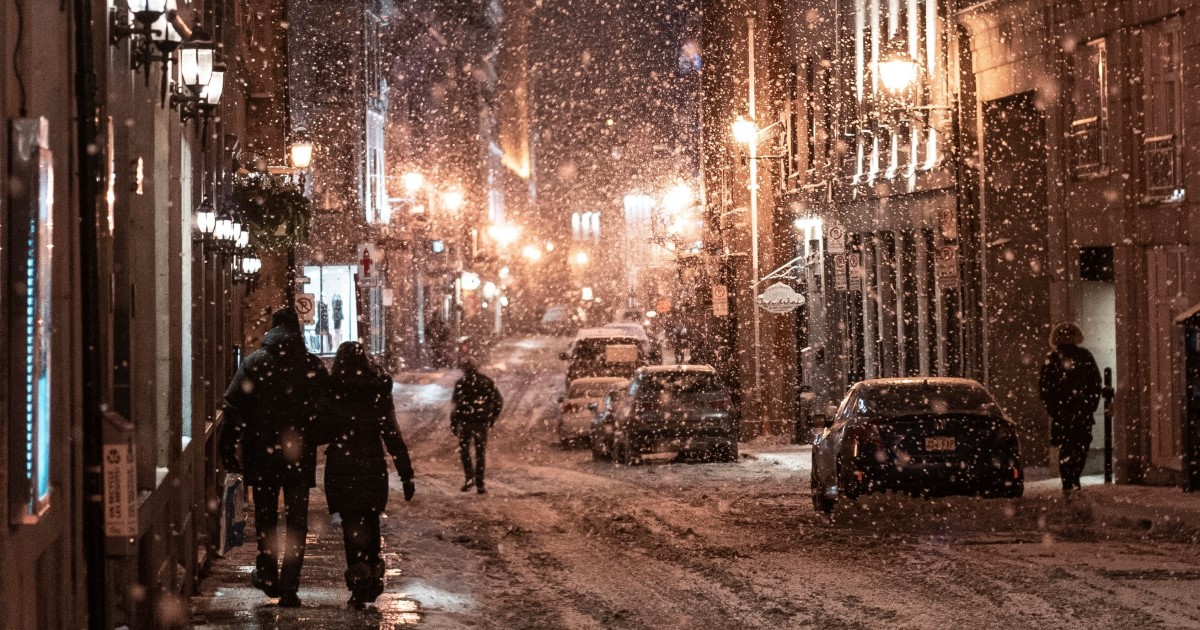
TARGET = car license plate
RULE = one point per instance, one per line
(939, 443)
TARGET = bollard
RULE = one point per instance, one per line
(1107, 393)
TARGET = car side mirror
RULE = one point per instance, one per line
(593, 406)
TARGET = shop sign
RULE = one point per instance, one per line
(120, 491)
(720, 300)
(389, 297)
(946, 266)
(780, 298)
(306, 308)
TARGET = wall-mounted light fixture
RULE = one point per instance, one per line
(206, 223)
(148, 25)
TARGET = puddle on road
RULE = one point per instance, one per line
(397, 610)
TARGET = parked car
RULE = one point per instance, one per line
(681, 408)
(597, 352)
(924, 436)
(579, 405)
(557, 320)
(637, 331)
(601, 432)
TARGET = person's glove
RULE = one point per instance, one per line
(410, 489)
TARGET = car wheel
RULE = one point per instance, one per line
(626, 454)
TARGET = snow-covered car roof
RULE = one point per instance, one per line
(940, 382)
(598, 380)
(630, 328)
(668, 369)
(601, 333)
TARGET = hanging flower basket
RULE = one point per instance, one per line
(274, 209)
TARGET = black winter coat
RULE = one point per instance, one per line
(361, 419)
(1070, 392)
(477, 402)
(271, 411)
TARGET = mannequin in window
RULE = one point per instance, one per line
(337, 319)
(323, 326)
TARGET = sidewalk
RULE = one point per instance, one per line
(1158, 511)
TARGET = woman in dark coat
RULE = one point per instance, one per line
(1070, 391)
(361, 420)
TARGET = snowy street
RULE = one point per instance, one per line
(562, 541)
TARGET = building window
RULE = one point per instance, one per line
(585, 226)
(1089, 109)
(31, 270)
(1163, 133)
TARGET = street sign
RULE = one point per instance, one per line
(948, 224)
(389, 297)
(946, 266)
(720, 300)
(835, 239)
(120, 491)
(779, 298)
(367, 259)
(306, 308)
(858, 273)
(839, 272)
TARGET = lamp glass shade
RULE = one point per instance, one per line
(243, 239)
(744, 130)
(302, 152)
(211, 94)
(413, 181)
(224, 230)
(897, 73)
(206, 220)
(196, 66)
(148, 6)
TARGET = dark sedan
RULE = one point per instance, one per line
(680, 408)
(924, 436)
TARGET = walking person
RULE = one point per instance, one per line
(271, 409)
(361, 419)
(1070, 392)
(476, 405)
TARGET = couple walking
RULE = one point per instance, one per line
(281, 405)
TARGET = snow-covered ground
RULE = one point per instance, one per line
(562, 541)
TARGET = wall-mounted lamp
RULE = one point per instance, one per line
(206, 223)
(148, 24)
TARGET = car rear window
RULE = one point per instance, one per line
(675, 383)
(596, 350)
(932, 398)
(591, 390)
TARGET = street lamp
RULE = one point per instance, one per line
(504, 234)
(453, 200)
(532, 253)
(581, 258)
(206, 223)
(897, 72)
(413, 182)
(745, 131)
(301, 150)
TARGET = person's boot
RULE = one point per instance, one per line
(265, 576)
(289, 600)
(466, 487)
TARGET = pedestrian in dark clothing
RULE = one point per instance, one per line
(271, 409)
(1070, 391)
(361, 419)
(477, 404)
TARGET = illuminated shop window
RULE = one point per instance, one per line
(31, 270)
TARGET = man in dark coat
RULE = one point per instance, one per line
(477, 404)
(1070, 391)
(271, 413)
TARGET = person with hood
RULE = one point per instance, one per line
(1070, 391)
(271, 414)
(361, 420)
(476, 405)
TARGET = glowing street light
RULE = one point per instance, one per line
(744, 130)
(302, 152)
(897, 71)
(453, 199)
(581, 258)
(413, 182)
(504, 234)
(679, 198)
(532, 253)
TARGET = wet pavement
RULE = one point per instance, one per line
(562, 541)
